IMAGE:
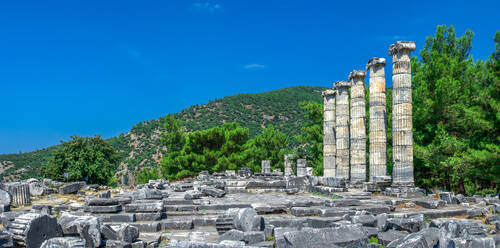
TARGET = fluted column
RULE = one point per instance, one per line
(20, 193)
(329, 148)
(301, 167)
(266, 166)
(378, 118)
(358, 126)
(402, 136)
(342, 128)
(288, 165)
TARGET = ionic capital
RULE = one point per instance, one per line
(401, 46)
(356, 74)
(375, 62)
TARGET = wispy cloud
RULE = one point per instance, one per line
(207, 7)
(392, 37)
(255, 66)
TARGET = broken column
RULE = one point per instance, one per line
(378, 117)
(329, 148)
(301, 167)
(288, 165)
(31, 229)
(402, 141)
(358, 127)
(342, 128)
(20, 193)
(266, 166)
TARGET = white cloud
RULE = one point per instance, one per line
(255, 66)
(207, 7)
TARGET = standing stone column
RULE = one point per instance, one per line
(301, 167)
(358, 127)
(288, 165)
(329, 148)
(402, 141)
(342, 128)
(378, 118)
(266, 166)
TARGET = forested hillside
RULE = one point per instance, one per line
(141, 146)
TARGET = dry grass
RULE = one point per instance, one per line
(377, 194)
(418, 207)
(402, 205)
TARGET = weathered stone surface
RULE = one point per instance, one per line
(192, 194)
(386, 237)
(343, 236)
(5, 238)
(147, 194)
(329, 149)
(70, 188)
(5, 198)
(365, 220)
(66, 242)
(122, 217)
(88, 227)
(31, 230)
(19, 192)
(253, 237)
(128, 233)
(342, 202)
(357, 127)
(93, 201)
(209, 191)
(412, 224)
(246, 219)
(156, 206)
(430, 203)
(103, 209)
(232, 235)
(117, 244)
(108, 233)
(177, 224)
(279, 235)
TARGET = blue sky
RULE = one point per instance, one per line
(74, 67)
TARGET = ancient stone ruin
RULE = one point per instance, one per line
(352, 205)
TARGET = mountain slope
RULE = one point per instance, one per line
(141, 146)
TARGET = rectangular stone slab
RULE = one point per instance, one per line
(103, 209)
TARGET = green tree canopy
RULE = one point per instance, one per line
(83, 158)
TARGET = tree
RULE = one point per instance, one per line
(455, 113)
(90, 158)
(312, 136)
(271, 145)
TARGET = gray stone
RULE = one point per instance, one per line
(146, 194)
(116, 217)
(253, 237)
(336, 182)
(70, 188)
(88, 227)
(117, 244)
(148, 216)
(342, 202)
(108, 233)
(412, 224)
(246, 219)
(5, 238)
(173, 224)
(128, 233)
(386, 237)
(104, 194)
(147, 226)
(365, 220)
(19, 192)
(430, 203)
(279, 235)
(144, 207)
(103, 209)
(93, 201)
(192, 194)
(38, 189)
(232, 235)
(5, 198)
(209, 191)
(343, 236)
(66, 242)
(31, 230)
(139, 244)
(448, 197)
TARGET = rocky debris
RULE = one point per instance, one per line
(430, 203)
(31, 230)
(128, 233)
(412, 224)
(342, 236)
(37, 188)
(233, 235)
(147, 194)
(5, 238)
(209, 191)
(71, 188)
(65, 242)
(5, 201)
(104, 194)
(87, 227)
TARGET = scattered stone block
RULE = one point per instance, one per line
(387, 237)
(232, 235)
(108, 233)
(5, 238)
(412, 224)
(70, 188)
(103, 209)
(31, 230)
(173, 224)
(253, 237)
(66, 242)
(209, 191)
(128, 233)
(113, 218)
(430, 203)
(117, 244)
(343, 236)
(88, 227)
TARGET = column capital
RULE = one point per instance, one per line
(401, 46)
(341, 84)
(328, 92)
(360, 74)
(374, 62)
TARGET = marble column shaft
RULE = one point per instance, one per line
(402, 141)
(288, 165)
(329, 148)
(358, 126)
(378, 118)
(342, 128)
